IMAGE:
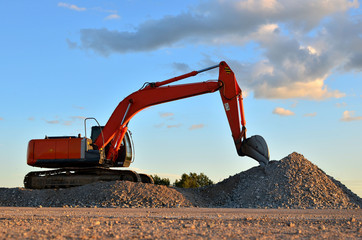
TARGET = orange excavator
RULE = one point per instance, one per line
(80, 160)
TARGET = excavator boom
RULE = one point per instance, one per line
(157, 93)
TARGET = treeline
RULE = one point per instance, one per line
(192, 180)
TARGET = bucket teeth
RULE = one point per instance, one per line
(255, 147)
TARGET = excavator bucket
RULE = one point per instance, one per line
(256, 148)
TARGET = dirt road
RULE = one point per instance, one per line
(178, 223)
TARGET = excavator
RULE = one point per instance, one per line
(78, 160)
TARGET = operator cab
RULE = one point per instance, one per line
(125, 152)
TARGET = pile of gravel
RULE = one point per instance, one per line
(102, 194)
(293, 182)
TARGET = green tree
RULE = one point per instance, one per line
(161, 181)
(193, 180)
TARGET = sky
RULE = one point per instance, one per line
(298, 63)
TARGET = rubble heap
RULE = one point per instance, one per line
(101, 194)
(292, 182)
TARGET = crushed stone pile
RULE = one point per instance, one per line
(292, 182)
(102, 194)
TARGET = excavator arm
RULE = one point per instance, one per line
(161, 92)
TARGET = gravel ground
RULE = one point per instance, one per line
(179, 223)
(296, 200)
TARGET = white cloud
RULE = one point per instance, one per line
(52, 121)
(341, 105)
(293, 63)
(71, 7)
(65, 122)
(78, 118)
(166, 114)
(288, 69)
(310, 90)
(211, 21)
(196, 126)
(174, 126)
(259, 6)
(294, 104)
(112, 17)
(310, 114)
(282, 112)
(78, 107)
(349, 116)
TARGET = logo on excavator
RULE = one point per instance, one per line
(227, 107)
(227, 70)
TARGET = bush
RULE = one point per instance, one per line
(193, 180)
(161, 181)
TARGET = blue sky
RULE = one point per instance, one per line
(298, 64)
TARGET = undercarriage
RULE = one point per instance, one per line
(73, 177)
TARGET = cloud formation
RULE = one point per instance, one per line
(174, 126)
(349, 116)
(65, 122)
(213, 22)
(71, 7)
(181, 67)
(300, 44)
(165, 114)
(341, 105)
(282, 111)
(112, 16)
(78, 107)
(52, 121)
(196, 126)
(310, 114)
(113, 13)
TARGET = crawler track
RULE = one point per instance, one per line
(72, 177)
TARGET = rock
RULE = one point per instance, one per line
(322, 227)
